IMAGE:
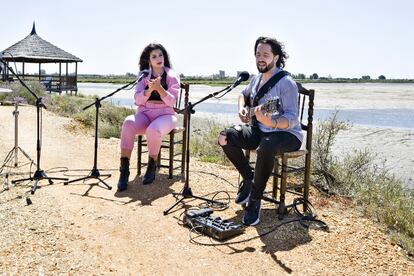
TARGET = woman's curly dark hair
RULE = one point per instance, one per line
(277, 49)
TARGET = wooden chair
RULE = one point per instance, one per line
(282, 168)
(171, 139)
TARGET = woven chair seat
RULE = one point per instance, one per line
(178, 130)
(293, 154)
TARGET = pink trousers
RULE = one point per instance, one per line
(153, 120)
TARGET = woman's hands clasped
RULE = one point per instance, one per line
(155, 84)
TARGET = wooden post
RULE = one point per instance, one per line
(40, 70)
(3, 72)
(76, 78)
(60, 78)
(23, 69)
(66, 78)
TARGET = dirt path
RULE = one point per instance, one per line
(85, 229)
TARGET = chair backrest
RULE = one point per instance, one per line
(182, 100)
(305, 102)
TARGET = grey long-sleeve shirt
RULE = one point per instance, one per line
(286, 91)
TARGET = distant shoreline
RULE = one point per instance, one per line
(123, 79)
(205, 81)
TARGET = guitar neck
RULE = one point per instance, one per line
(271, 106)
(251, 112)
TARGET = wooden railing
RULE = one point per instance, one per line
(53, 83)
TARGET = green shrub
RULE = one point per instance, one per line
(107, 130)
(65, 105)
(323, 162)
(377, 192)
(384, 198)
(21, 91)
(112, 118)
(86, 117)
(203, 141)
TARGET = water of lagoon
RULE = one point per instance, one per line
(369, 104)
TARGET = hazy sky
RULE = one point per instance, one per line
(346, 38)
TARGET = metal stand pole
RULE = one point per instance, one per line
(186, 192)
(39, 173)
(94, 172)
(13, 153)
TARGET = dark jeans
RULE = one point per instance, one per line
(267, 145)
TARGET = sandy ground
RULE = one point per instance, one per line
(85, 229)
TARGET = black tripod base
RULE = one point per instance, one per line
(93, 174)
(38, 175)
(187, 193)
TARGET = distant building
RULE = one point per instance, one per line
(222, 74)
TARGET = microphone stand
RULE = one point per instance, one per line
(39, 173)
(186, 192)
(95, 171)
(13, 153)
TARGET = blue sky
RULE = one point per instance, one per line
(337, 38)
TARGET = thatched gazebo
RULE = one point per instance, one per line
(34, 49)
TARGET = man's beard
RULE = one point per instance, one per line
(266, 69)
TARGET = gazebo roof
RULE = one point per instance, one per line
(34, 49)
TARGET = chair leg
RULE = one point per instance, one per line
(159, 161)
(282, 205)
(139, 153)
(183, 153)
(275, 178)
(307, 181)
(171, 161)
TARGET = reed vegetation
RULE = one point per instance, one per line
(373, 189)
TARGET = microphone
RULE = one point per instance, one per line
(243, 76)
(142, 74)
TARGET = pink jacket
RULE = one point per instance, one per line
(173, 83)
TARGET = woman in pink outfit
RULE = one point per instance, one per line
(155, 97)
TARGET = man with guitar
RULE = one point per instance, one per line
(270, 131)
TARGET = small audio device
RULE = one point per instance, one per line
(215, 227)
